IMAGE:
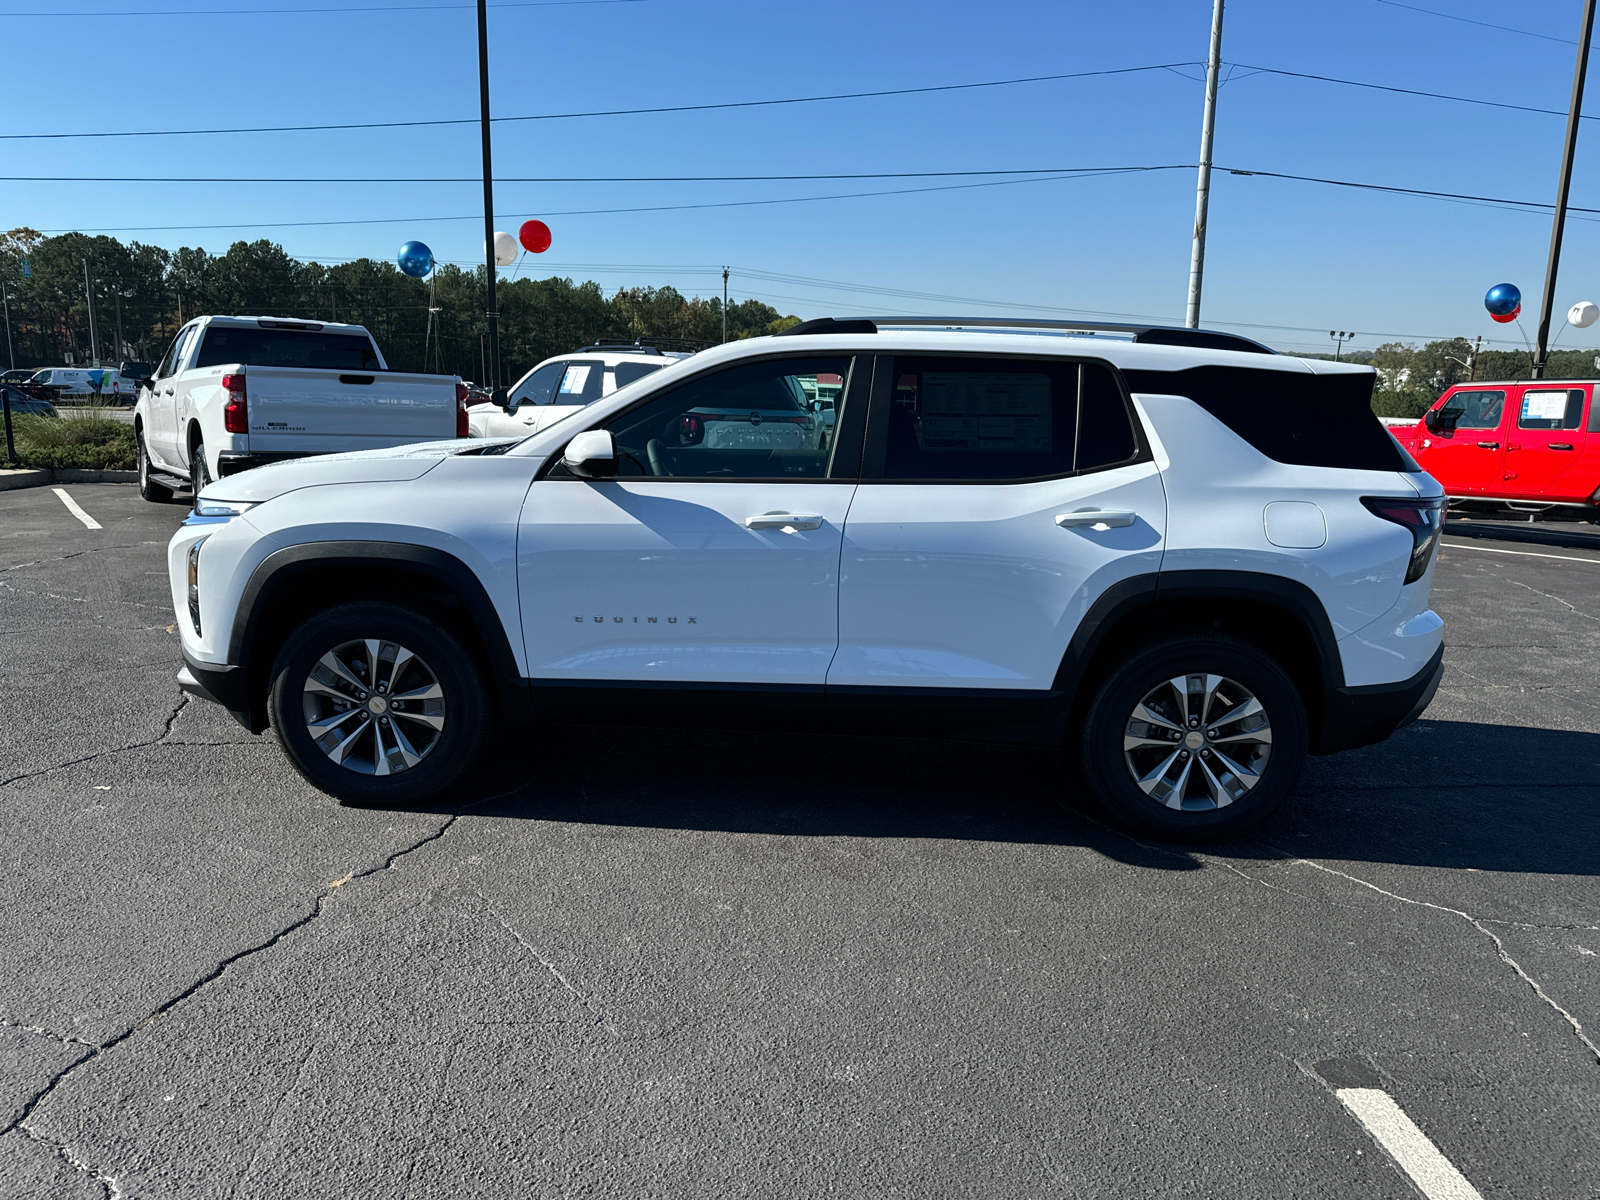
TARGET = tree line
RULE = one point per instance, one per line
(143, 295)
(1411, 378)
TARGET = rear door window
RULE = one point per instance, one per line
(995, 419)
(1551, 408)
(581, 382)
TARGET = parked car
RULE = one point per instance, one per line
(1532, 444)
(1189, 559)
(22, 404)
(561, 386)
(238, 392)
(16, 376)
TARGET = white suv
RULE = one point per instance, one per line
(560, 386)
(1186, 559)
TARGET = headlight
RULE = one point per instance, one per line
(194, 585)
(217, 512)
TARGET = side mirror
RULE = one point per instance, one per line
(504, 399)
(1431, 420)
(136, 372)
(591, 455)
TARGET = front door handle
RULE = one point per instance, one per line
(1561, 445)
(788, 522)
(168, 392)
(1488, 445)
(1096, 518)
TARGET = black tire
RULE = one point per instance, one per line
(149, 488)
(1176, 802)
(199, 473)
(463, 708)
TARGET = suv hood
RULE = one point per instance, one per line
(392, 464)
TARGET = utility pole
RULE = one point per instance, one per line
(724, 304)
(118, 354)
(493, 367)
(10, 352)
(1558, 225)
(1472, 360)
(1202, 201)
(94, 339)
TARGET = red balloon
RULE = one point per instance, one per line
(1507, 318)
(534, 236)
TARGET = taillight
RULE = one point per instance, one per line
(462, 394)
(1425, 520)
(236, 415)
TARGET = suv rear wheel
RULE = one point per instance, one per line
(375, 703)
(1195, 738)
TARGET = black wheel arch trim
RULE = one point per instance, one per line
(509, 685)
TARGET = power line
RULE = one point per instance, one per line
(614, 112)
(1383, 87)
(1379, 187)
(1544, 37)
(569, 178)
(250, 12)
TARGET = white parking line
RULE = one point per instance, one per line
(72, 507)
(1433, 1173)
(1523, 553)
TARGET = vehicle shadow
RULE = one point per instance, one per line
(1573, 535)
(1439, 793)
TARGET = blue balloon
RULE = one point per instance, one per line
(416, 260)
(1503, 299)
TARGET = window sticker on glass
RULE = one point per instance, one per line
(1544, 406)
(1009, 413)
(577, 375)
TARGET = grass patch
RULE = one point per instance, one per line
(88, 443)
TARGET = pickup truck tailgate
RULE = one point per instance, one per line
(314, 410)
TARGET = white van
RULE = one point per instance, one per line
(105, 382)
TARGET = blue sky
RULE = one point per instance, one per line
(1281, 254)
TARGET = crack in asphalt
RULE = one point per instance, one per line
(28, 1109)
(183, 701)
(78, 554)
(1499, 945)
(1547, 596)
(577, 994)
(63, 1038)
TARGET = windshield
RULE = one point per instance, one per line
(287, 348)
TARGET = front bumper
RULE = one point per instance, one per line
(227, 686)
(1360, 716)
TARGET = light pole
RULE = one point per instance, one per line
(10, 352)
(1340, 337)
(1564, 186)
(493, 366)
(1202, 200)
(724, 304)
(94, 338)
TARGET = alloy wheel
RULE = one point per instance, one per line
(1197, 741)
(373, 707)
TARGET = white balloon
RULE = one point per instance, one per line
(1583, 314)
(505, 248)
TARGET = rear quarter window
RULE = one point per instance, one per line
(1299, 419)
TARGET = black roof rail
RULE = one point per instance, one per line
(1149, 335)
(647, 344)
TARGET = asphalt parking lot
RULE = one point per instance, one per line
(625, 964)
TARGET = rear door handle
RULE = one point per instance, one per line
(1096, 518)
(1561, 445)
(788, 522)
(1488, 445)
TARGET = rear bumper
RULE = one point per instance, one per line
(231, 462)
(1360, 716)
(227, 686)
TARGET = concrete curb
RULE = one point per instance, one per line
(43, 477)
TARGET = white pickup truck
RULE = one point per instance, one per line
(238, 392)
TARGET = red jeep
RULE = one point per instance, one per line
(1533, 442)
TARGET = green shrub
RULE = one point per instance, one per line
(88, 443)
(1408, 402)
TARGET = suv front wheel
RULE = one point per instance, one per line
(1195, 738)
(375, 703)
